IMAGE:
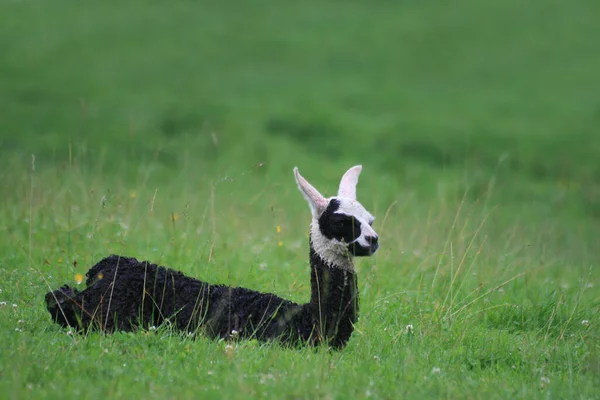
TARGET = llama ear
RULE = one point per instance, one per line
(316, 201)
(349, 181)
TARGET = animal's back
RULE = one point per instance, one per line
(123, 294)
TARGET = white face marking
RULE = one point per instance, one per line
(354, 209)
(334, 251)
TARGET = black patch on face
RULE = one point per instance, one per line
(338, 226)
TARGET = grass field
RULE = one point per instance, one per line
(168, 132)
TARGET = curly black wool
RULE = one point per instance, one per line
(125, 294)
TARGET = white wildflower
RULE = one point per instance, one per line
(2, 303)
(585, 322)
(545, 381)
(436, 370)
(266, 377)
(14, 305)
(409, 328)
(152, 328)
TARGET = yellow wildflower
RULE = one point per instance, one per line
(78, 278)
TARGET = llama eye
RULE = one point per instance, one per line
(340, 220)
(342, 224)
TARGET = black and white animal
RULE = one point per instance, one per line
(125, 294)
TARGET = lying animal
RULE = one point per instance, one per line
(125, 294)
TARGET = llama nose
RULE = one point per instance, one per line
(373, 240)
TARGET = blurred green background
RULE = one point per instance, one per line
(495, 99)
(168, 131)
(409, 88)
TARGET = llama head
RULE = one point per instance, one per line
(341, 226)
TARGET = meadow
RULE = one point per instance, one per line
(168, 132)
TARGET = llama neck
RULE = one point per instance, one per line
(334, 300)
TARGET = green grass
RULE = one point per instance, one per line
(168, 132)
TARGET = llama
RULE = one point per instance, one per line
(125, 294)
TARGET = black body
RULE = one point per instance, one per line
(125, 294)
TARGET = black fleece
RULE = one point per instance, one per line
(125, 294)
